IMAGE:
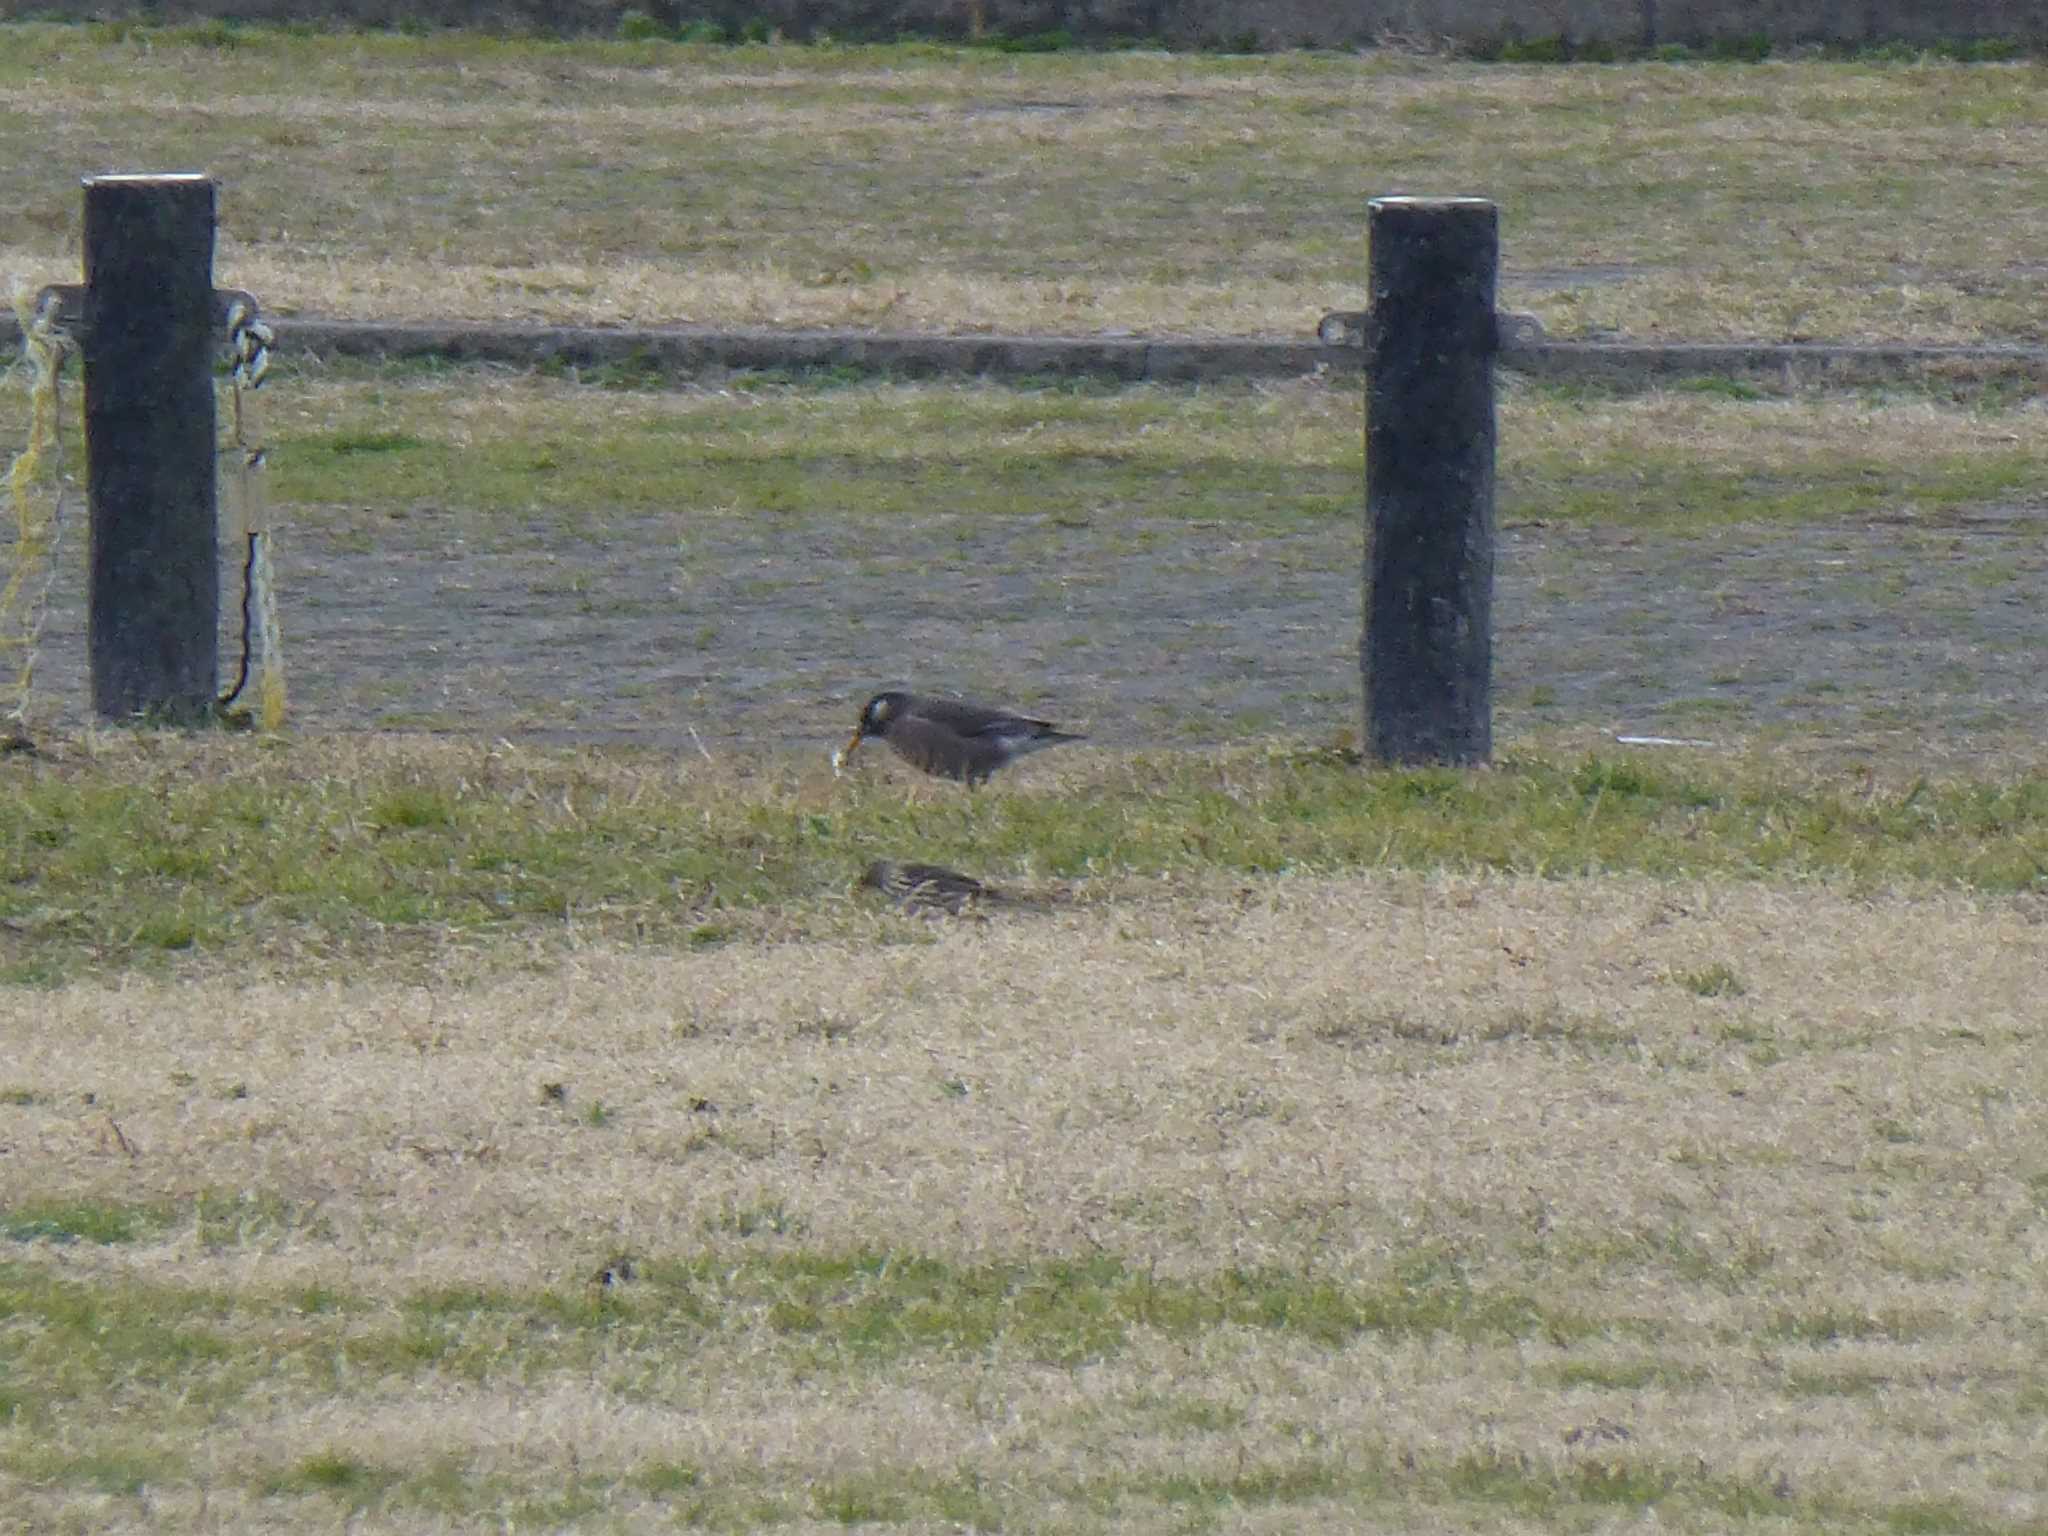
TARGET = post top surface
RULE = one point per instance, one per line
(146, 177)
(1404, 201)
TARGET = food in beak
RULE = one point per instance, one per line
(845, 753)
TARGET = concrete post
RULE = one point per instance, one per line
(1427, 651)
(148, 347)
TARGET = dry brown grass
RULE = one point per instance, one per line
(961, 191)
(1769, 1162)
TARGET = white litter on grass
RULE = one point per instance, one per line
(838, 763)
(1662, 741)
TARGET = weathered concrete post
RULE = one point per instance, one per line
(154, 592)
(1427, 652)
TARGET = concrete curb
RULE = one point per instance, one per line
(685, 352)
(1630, 364)
(678, 352)
(689, 351)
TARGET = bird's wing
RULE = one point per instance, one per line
(927, 887)
(931, 745)
(939, 880)
(964, 719)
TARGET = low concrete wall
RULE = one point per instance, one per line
(1471, 24)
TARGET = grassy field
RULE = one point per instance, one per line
(447, 1136)
(450, 1133)
(942, 189)
(150, 851)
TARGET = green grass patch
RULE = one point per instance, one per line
(86, 1338)
(1631, 1375)
(1273, 1483)
(396, 461)
(1836, 1325)
(664, 1479)
(1807, 1383)
(391, 441)
(1065, 1311)
(334, 1472)
(1716, 980)
(251, 841)
(77, 1221)
(848, 447)
(872, 1307)
(888, 1305)
(240, 1218)
(122, 1466)
(1936, 1517)
(348, 444)
(1608, 1476)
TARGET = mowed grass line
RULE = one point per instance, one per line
(127, 850)
(1263, 456)
(352, 449)
(843, 1310)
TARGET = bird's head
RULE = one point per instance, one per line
(875, 719)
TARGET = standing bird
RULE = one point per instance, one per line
(950, 738)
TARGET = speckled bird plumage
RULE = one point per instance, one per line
(927, 887)
(950, 738)
(932, 888)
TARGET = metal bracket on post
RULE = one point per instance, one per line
(1514, 330)
(69, 316)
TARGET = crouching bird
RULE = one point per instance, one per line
(929, 887)
(950, 738)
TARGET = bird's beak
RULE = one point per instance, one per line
(852, 744)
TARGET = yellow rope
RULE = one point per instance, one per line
(24, 601)
(270, 691)
(35, 528)
(250, 520)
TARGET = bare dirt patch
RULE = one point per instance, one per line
(1914, 632)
